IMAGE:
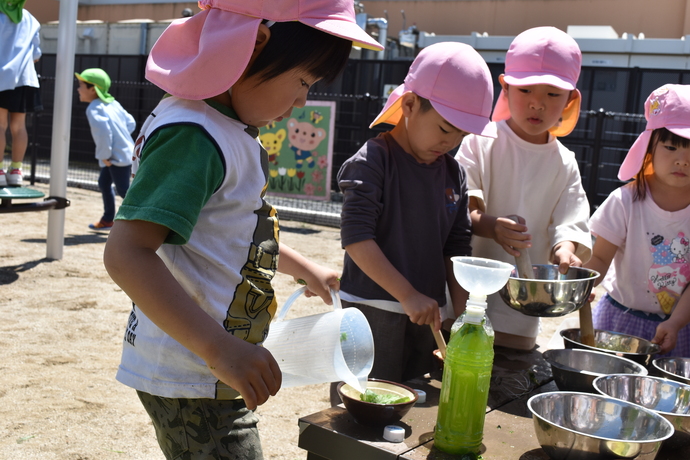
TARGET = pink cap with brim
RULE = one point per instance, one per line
(204, 55)
(543, 56)
(667, 107)
(457, 82)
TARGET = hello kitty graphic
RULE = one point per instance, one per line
(679, 247)
(670, 270)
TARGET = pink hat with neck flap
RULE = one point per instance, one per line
(204, 55)
(457, 82)
(667, 107)
(543, 56)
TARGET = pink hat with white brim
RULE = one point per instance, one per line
(204, 55)
(543, 56)
(457, 82)
(667, 107)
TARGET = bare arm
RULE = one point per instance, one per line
(374, 263)
(602, 255)
(131, 260)
(509, 234)
(667, 331)
(319, 279)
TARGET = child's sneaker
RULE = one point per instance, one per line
(14, 177)
(101, 225)
(3, 179)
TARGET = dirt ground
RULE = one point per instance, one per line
(61, 333)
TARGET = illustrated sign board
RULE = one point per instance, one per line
(300, 152)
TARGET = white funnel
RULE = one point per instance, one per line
(480, 277)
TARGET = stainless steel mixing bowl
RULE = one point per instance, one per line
(582, 426)
(623, 345)
(575, 370)
(677, 369)
(549, 294)
(668, 398)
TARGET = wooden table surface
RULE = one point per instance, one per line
(508, 429)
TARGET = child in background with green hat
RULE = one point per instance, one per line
(111, 128)
(19, 94)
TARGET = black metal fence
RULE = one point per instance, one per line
(600, 140)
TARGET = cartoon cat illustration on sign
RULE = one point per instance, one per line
(273, 142)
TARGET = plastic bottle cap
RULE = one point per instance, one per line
(394, 433)
(421, 396)
(474, 314)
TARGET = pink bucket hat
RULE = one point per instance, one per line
(543, 56)
(204, 55)
(667, 107)
(457, 82)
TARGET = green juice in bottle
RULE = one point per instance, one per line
(465, 384)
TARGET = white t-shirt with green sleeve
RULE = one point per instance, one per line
(203, 174)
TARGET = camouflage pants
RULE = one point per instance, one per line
(203, 429)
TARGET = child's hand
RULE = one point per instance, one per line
(564, 256)
(248, 368)
(666, 336)
(422, 310)
(320, 281)
(511, 235)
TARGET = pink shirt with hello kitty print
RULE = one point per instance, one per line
(652, 265)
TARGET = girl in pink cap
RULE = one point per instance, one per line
(195, 243)
(643, 231)
(527, 172)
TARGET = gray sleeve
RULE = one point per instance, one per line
(460, 237)
(361, 181)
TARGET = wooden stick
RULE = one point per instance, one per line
(586, 326)
(440, 341)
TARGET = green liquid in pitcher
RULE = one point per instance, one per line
(465, 390)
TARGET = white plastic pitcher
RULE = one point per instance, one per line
(328, 347)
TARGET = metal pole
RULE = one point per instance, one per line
(59, 156)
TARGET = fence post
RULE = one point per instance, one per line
(596, 151)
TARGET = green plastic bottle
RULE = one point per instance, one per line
(465, 384)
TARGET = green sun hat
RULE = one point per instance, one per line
(13, 9)
(100, 80)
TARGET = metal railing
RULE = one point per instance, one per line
(600, 140)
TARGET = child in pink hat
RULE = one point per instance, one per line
(643, 231)
(195, 243)
(404, 211)
(527, 172)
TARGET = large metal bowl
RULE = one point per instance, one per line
(575, 370)
(582, 426)
(623, 345)
(677, 369)
(667, 398)
(549, 294)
